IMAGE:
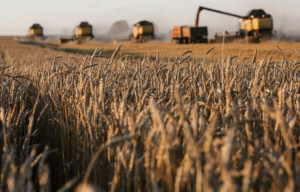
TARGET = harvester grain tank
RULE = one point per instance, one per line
(84, 32)
(36, 30)
(256, 25)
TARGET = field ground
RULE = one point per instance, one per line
(10, 50)
(150, 49)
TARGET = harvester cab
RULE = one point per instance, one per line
(36, 30)
(142, 31)
(83, 30)
(256, 26)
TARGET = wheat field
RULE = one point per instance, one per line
(92, 122)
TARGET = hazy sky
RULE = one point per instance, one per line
(61, 16)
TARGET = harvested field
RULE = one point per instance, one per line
(157, 123)
(150, 49)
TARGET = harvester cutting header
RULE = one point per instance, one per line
(257, 25)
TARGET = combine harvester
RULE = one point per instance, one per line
(84, 33)
(142, 32)
(256, 26)
(36, 32)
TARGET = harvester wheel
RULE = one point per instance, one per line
(185, 41)
(146, 38)
(252, 39)
(88, 39)
(141, 38)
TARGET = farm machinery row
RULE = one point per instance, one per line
(256, 26)
(84, 33)
(142, 31)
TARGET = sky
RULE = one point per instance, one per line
(59, 17)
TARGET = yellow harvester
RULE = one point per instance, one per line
(256, 25)
(84, 32)
(36, 30)
(142, 31)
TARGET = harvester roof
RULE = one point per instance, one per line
(36, 26)
(84, 24)
(257, 13)
(143, 23)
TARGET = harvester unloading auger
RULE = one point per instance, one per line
(255, 26)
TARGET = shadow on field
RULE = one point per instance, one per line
(106, 53)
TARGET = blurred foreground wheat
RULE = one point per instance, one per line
(170, 124)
